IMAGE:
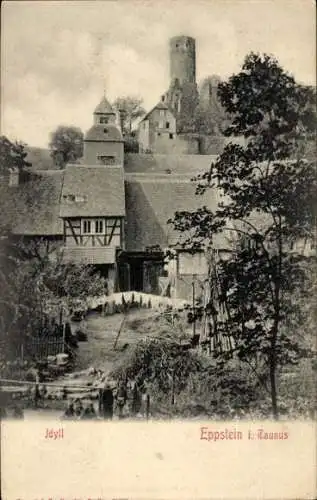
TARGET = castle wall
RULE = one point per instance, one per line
(179, 145)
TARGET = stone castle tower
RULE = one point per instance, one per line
(182, 95)
(182, 59)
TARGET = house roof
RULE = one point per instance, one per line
(159, 105)
(104, 107)
(104, 133)
(189, 165)
(100, 190)
(152, 200)
(36, 205)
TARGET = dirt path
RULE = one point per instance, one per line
(98, 351)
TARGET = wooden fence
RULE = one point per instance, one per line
(41, 348)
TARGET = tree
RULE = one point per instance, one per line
(66, 145)
(130, 108)
(34, 286)
(268, 191)
(12, 156)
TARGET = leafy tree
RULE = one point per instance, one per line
(34, 286)
(12, 156)
(268, 191)
(66, 145)
(130, 108)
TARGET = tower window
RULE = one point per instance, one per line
(106, 160)
(103, 119)
(171, 136)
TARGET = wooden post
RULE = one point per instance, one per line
(173, 388)
(147, 410)
(64, 329)
(194, 322)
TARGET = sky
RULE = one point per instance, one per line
(57, 58)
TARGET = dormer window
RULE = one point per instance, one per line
(104, 119)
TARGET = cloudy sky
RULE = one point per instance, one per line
(57, 57)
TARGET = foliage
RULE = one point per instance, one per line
(268, 205)
(162, 363)
(66, 145)
(131, 144)
(34, 286)
(130, 108)
(12, 156)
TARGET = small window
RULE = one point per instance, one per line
(159, 133)
(162, 112)
(104, 119)
(171, 136)
(106, 160)
(161, 124)
(167, 124)
(105, 130)
(86, 226)
(99, 226)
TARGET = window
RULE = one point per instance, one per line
(171, 136)
(167, 124)
(103, 119)
(161, 124)
(159, 133)
(86, 226)
(106, 160)
(162, 112)
(99, 226)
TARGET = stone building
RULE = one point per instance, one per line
(183, 100)
(157, 130)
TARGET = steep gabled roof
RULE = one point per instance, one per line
(104, 107)
(159, 105)
(36, 206)
(152, 200)
(99, 191)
